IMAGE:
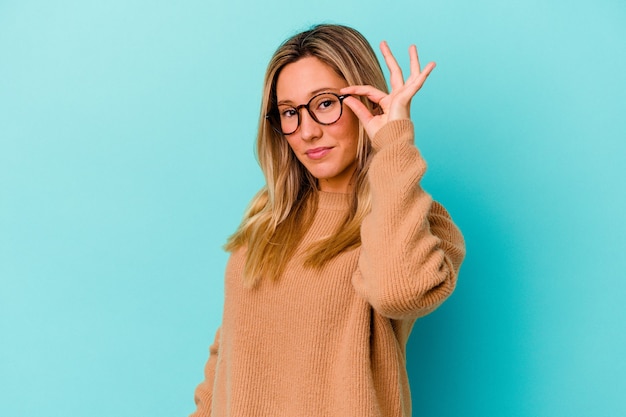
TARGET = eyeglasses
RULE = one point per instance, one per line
(324, 108)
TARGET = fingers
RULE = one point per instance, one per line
(396, 79)
(359, 109)
(414, 59)
(395, 105)
(418, 76)
(429, 67)
(417, 79)
(372, 93)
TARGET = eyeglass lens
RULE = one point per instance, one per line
(324, 108)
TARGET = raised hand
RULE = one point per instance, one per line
(395, 105)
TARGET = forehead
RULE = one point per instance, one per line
(300, 80)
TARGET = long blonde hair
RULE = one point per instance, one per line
(282, 211)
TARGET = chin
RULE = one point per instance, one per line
(323, 175)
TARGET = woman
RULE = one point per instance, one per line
(340, 252)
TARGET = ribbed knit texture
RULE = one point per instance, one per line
(331, 342)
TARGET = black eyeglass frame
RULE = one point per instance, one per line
(274, 116)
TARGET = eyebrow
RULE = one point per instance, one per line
(311, 94)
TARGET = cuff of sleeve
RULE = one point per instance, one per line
(393, 131)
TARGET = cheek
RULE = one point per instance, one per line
(347, 126)
(295, 146)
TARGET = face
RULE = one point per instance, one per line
(328, 152)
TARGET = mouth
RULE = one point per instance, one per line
(317, 153)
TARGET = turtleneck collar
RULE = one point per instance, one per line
(333, 201)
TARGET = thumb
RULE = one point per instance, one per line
(359, 109)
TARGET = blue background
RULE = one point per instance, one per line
(126, 159)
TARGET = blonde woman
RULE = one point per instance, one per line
(340, 252)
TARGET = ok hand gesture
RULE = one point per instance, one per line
(395, 105)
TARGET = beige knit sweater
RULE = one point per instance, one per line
(331, 342)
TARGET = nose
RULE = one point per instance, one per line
(309, 128)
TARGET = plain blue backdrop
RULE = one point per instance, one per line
(126, 159)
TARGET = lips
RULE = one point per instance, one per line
(318, 153)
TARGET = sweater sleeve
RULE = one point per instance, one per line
(411, 250)
(204, 391)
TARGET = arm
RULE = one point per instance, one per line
(411, 250)
(204, 391)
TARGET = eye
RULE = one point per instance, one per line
(326, 103)
(288, 113)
